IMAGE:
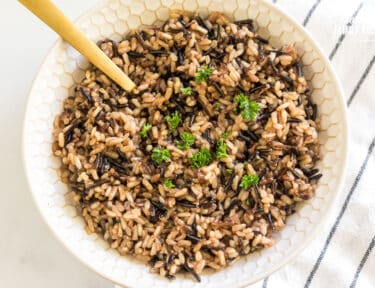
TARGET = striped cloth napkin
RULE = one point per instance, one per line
(343, 254)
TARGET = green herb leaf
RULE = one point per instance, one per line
(186, 91)
(225, 135)
(217, 106)
(249, 180)
(229, 171)
(147, 127)
(249, 109)
(221, 150)
(200, 158)
(160, 155)
(203, 74)
(173, 120)
(168, 183)
(187, 139)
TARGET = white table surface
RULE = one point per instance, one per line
(30, 256)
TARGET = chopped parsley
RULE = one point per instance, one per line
(160, 155)
(173, 120)
(186, 91)
(225, 134)
(249, 180)
(249, 109)
(147, 127)
(221, 149)
(200, 158)
(168, 183)
(203, 74)
(187, 139)
(217, 106)
(229, 171)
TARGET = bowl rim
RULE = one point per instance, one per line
(316, 228)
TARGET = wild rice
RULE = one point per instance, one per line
(173, 215)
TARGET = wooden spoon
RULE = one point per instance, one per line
(54, 18)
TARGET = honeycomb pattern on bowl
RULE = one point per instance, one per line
(64, 67)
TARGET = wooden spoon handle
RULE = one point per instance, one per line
(54, 18)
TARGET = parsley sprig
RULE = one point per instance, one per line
(160, 155)
(186, 91)
(225, 134)
(168, 183)
(249, 180)
(173, 120)
(203, 74)
(221, 149)
(229, 171)
(201, 158)
(250, 109)
(146, 127)
(187, 139)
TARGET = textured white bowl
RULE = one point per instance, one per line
(64, 67)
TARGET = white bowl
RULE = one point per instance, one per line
(64, 67)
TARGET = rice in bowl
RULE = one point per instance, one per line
(205, 159)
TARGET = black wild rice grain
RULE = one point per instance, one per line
(78, 188)
(134, 54)
(186, 203)
(116, 165)
(245, 138)
(269, 217)
(274, 68)
(206, 135)
(192, 272)
(261, 174)
(194, 239)
(287, 79)
(259, 200)
(315, 177)
(105, 166)
(68, 136)
(314, 112)
(121, 155)
(261, 52)
(228, 186)
(206, 249)
(293, 120)
(256, 88)
(299, 69)
(217, 87)
(159, 52)
(248, 22)
(308, 172)
(252, 135)
(218, 56)
(85, 94)
(180, 57)
(171, 258)
(264, 41)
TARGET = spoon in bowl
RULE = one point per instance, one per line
(55, 19)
